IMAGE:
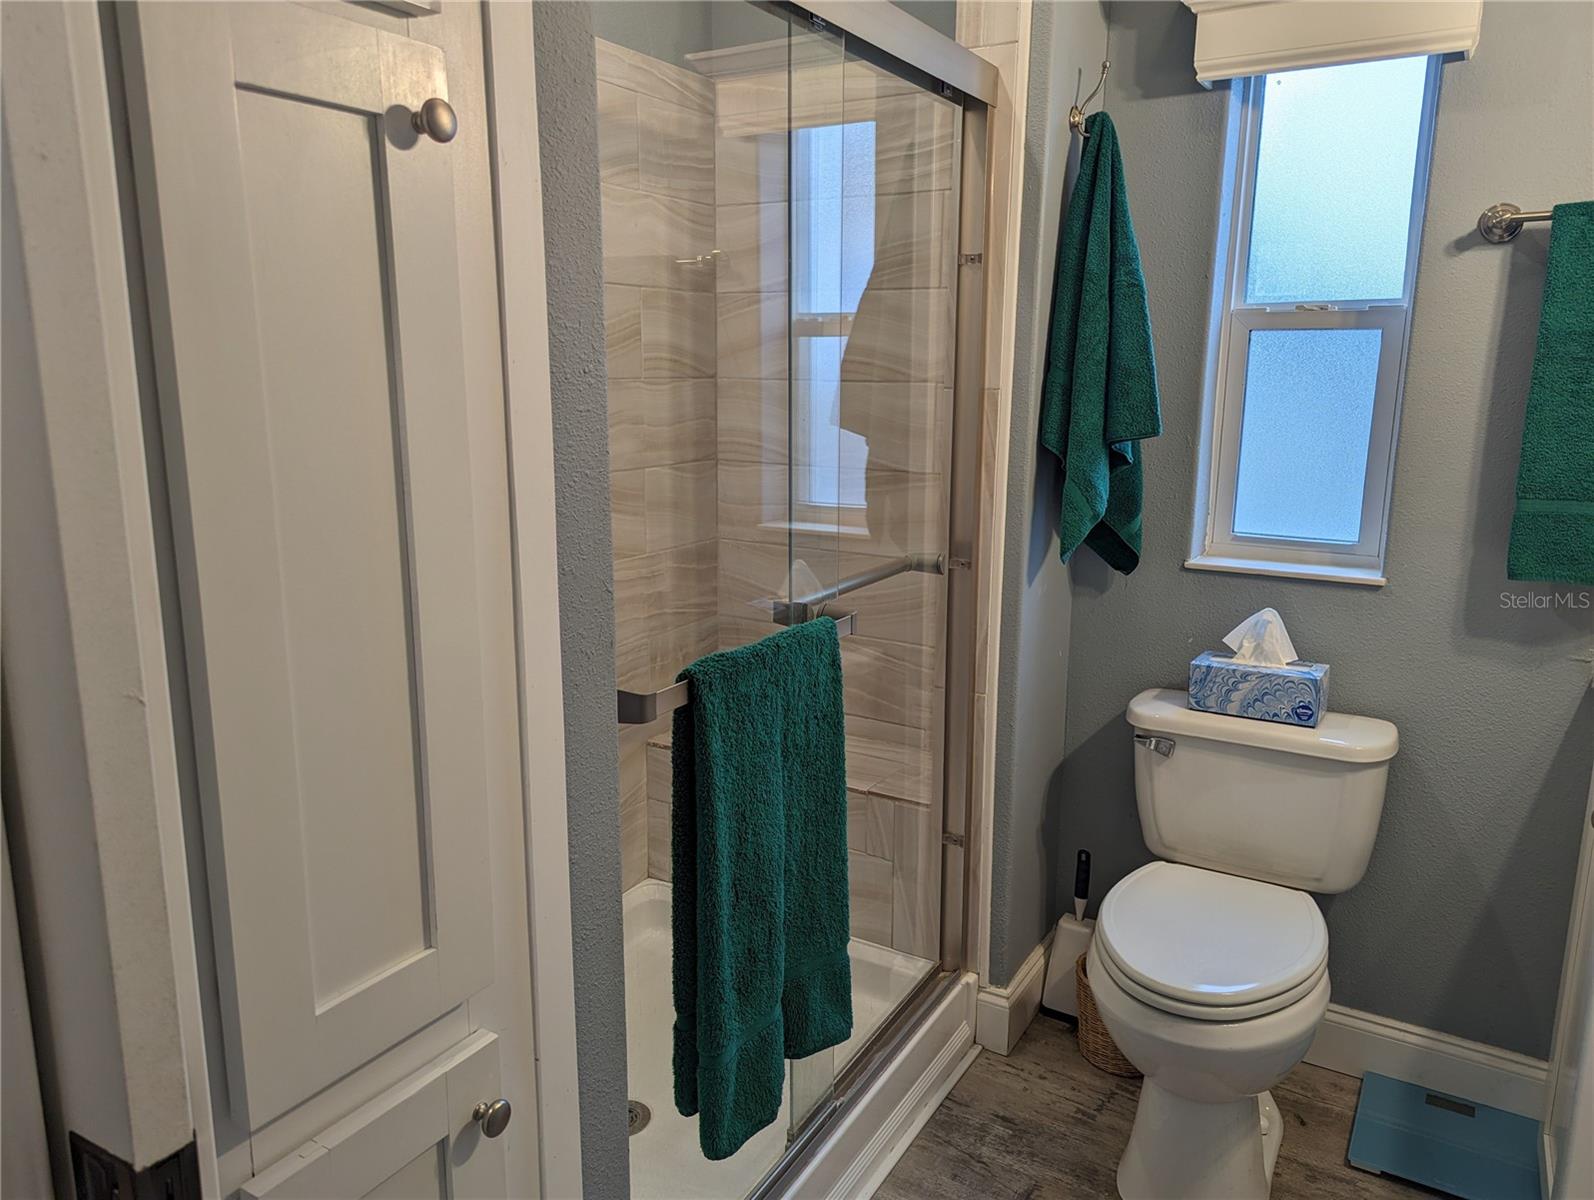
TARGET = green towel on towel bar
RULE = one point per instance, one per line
(1099, 396)
(1552, 533)
(758, 852)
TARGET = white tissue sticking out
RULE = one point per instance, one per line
(1261, 640)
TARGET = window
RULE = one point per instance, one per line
(1323, 218)
(833, 206)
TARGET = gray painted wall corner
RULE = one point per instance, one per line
(567, 117)
(1067, 44)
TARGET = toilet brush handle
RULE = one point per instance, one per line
(1081, 884)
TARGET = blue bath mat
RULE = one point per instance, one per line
(1444, 1142)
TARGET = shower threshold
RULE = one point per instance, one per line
(666, 1162)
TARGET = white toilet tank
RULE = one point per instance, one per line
(1290, 805)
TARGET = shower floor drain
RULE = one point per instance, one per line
(638, 1116)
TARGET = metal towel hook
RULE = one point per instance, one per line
(1076, 112)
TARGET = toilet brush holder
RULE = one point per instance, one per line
(1095, 1043)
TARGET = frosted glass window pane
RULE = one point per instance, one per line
(829, 461)
(833, 214)
(1334, 176)
(1303, 440)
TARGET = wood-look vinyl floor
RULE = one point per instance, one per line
(1043, 1124)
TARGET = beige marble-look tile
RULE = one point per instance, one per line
(680, 507)
(904, 514)
(750, 166)
(907, 425)
(654, 240)
(617, 135)
(622, 331)
(915, 881)
(901, 754)
(863, 82)
(752, 336)
(658, 775)
(915, 143)
(675, 151)
(740, 631)
(627, 513)
(753, 240)
(751, 576)
(987, 22)
(902, 335)
(753, 419)
(633, 767)
(752, 502)
(655, 423)
(677, 334)
(869, 898)
(912, 246)
(653, 77)
(890, 681)
(659, 839)
(909, 607)
(681, 645)
(633, 844)
(757, 92)
(870, 821)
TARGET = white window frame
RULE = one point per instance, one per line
(1215, 546)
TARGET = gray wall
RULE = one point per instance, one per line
(1460, 921)
(568, 139)
(1067, 44)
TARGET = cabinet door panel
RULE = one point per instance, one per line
(305, 297)
(416, 1141)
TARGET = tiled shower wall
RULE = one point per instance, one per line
(699, 447)
(655, 138)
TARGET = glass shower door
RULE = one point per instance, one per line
(873, 175)
(779, 232)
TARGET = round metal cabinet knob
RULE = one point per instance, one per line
(492, 1116)
(436, 120)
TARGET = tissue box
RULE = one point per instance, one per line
(1294, 694)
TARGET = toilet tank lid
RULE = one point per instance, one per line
(1338, 736)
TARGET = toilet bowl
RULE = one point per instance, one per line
(1210, 968)
(1213, 986)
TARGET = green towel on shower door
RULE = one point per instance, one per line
(1099, 396)
(758, 853)
(1552, 533)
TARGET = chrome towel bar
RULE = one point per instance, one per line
(643, 708)
(1502, 222)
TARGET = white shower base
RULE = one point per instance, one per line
(666, 1163)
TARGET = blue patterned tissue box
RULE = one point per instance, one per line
(1294, 694)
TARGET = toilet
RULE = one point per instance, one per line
(1209, 967)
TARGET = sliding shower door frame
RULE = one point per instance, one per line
(912, 50)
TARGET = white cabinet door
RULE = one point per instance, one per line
(418, 1140)
(304, 286)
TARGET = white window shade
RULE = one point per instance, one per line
(1236, 38)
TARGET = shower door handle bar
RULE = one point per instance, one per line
(795, 612)
(643, 708)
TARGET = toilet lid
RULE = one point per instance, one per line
(1210, 940)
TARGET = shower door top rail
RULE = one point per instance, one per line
(898, 33)
(643, 708)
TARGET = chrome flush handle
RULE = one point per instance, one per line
(1158, 745)
(436, 120)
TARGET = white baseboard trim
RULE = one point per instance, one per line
(1002, 1014)
(868, 1143)
(1353, 1043)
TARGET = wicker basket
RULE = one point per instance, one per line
(1095, 1043)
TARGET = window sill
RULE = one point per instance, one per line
(818, 527)
(1364, 576)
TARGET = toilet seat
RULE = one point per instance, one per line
(1211, 946)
